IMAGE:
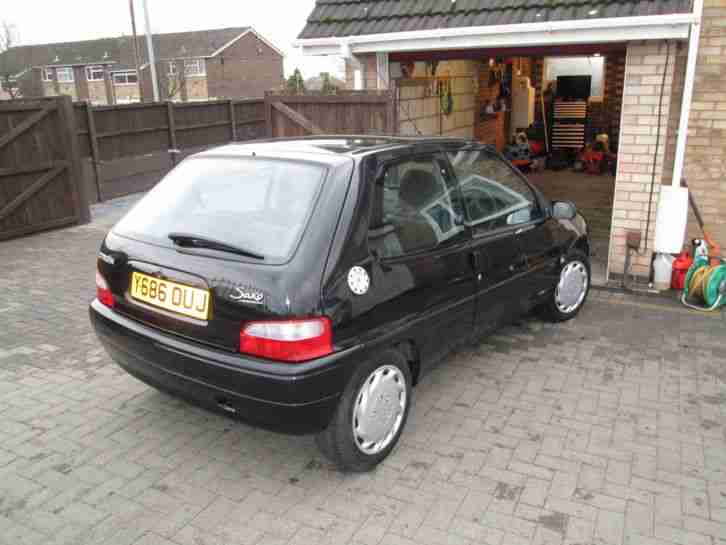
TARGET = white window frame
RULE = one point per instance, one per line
(172, 69)
(199, 71)
(125, 74)
(46, 74)
(94, 69)
(68, 77)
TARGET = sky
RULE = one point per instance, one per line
(279, 21)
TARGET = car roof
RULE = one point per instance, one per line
(329, 146)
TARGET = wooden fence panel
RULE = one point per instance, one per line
(40, 179)
(344, 113)
(110, 135)
(250, 119)
(130, 130)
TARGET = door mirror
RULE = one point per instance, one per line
(520, 216)
(564, 210)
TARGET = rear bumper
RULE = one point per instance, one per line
(295, 399)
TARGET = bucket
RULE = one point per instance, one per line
(663, 268)
(680, 268)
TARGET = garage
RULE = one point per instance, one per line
(584, 97)
(554, 113)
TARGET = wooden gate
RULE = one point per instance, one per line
(348, 112)
(40, 178)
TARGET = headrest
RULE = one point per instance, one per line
(418, 188)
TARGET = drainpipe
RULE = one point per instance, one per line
(672, 215)
(693, 42)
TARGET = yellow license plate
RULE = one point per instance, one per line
(185, 300)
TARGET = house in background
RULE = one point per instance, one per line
(199, 65)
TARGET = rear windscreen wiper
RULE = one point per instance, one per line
(186, 240)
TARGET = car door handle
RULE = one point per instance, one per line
(523, 229)
(518, 265)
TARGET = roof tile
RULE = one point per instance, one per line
(356, 17)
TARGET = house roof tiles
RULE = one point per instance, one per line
(341, 18)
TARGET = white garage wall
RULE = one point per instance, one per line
(419, 104)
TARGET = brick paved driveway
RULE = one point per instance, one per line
(609, 429)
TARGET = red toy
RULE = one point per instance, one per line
(680, 268)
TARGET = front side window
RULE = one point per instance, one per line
(261, 205)
(125, 78)
(494, 194)
(94, 73)
(416, 209)
(64, 74)
(194, 67)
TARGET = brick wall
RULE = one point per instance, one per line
(97, 92)
(419, 109)
(31, 84)
(614, 82)
(246, 69)
(126, 92)
(645, 72)
(195, 88)
(705, 161)
(537, 76)
(704, 166)
(604, 115)
(67, 89)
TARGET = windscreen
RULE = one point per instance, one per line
(259, 205)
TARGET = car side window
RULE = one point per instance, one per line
(494, 195)
(416, 208)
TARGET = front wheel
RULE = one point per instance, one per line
(571, 291)
(371, 414)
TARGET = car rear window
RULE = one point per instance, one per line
(258, 204)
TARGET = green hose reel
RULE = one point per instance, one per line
(705, 283)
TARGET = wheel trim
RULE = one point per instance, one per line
(572, 287)
(379, 408)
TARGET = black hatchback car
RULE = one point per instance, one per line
(306, 285)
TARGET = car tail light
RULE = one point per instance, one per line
(103, 292)
(287, 340)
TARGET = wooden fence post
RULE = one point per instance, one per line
(232, 120)
(268, 115)
(73, 155)
(93, 141)
(173, 150)
(391, 113)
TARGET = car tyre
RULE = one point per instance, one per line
(571, 291)
(371, 414)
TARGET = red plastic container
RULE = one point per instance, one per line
(680, 268)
